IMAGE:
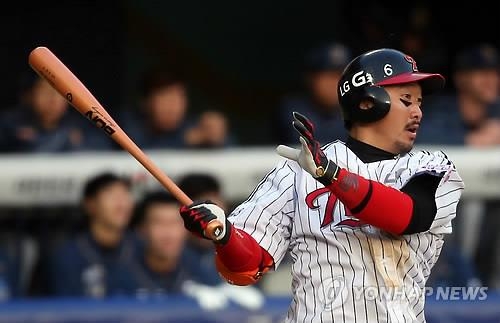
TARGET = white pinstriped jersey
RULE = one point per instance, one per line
(335, 256)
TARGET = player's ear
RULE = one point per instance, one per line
(89, 205)
(366, 103)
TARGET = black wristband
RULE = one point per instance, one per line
(330, 175)
(227, 235)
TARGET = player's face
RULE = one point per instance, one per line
(112, 206)
(324, 87)
(167, 107)
(482, 85)
(164, 230)
(399, 128)
(47, 103)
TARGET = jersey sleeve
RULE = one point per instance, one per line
(448, 195)
(267, 213)
(448, 191)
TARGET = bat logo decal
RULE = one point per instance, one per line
(100, 123)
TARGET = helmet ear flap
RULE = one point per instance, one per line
(381, 101)
(379, 107)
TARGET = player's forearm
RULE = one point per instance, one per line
(241, 260)
(241, 252)
(373, 202)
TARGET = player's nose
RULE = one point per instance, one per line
(415, 112)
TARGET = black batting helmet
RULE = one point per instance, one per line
(365, 76)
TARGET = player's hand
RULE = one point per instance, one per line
(198, 215)
(310, 156)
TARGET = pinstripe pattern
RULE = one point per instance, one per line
(277, 216)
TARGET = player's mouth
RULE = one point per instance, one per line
(412, 129)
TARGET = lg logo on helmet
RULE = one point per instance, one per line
(358, 79)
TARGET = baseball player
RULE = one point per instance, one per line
(364, 215)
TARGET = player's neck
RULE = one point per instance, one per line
(370, 136)
(159, 264)
(104, 235)
(48, 124)
(473, 112)
(366, 151)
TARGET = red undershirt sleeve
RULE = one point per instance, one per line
(372, 202)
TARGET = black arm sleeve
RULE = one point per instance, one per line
(422, 190)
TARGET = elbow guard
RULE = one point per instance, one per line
(248, 277)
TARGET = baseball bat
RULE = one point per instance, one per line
(48, 66)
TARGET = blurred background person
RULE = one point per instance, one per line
(96, 262)
(165, 265)
(19, 254)
(203, 186)
(320, 103)
(162, 120)
(43, 123)
(210, 131)
(9, 275)
(471, 116)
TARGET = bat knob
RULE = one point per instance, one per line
(214, 230)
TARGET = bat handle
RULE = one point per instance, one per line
(214, 229)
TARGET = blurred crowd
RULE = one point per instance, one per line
(124, 246)
(161, 118)
(42, 122)
(139, 247)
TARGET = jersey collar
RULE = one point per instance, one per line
(368, 153)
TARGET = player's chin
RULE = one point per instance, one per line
(406, 143)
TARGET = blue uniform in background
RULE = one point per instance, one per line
(189, 268)
(82, 267)
(20, 131)
(134, 124)
(442, 123)
(203, 258)
(9, 276)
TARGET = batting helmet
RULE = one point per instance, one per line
(365, 76)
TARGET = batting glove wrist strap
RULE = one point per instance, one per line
(330, 174)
